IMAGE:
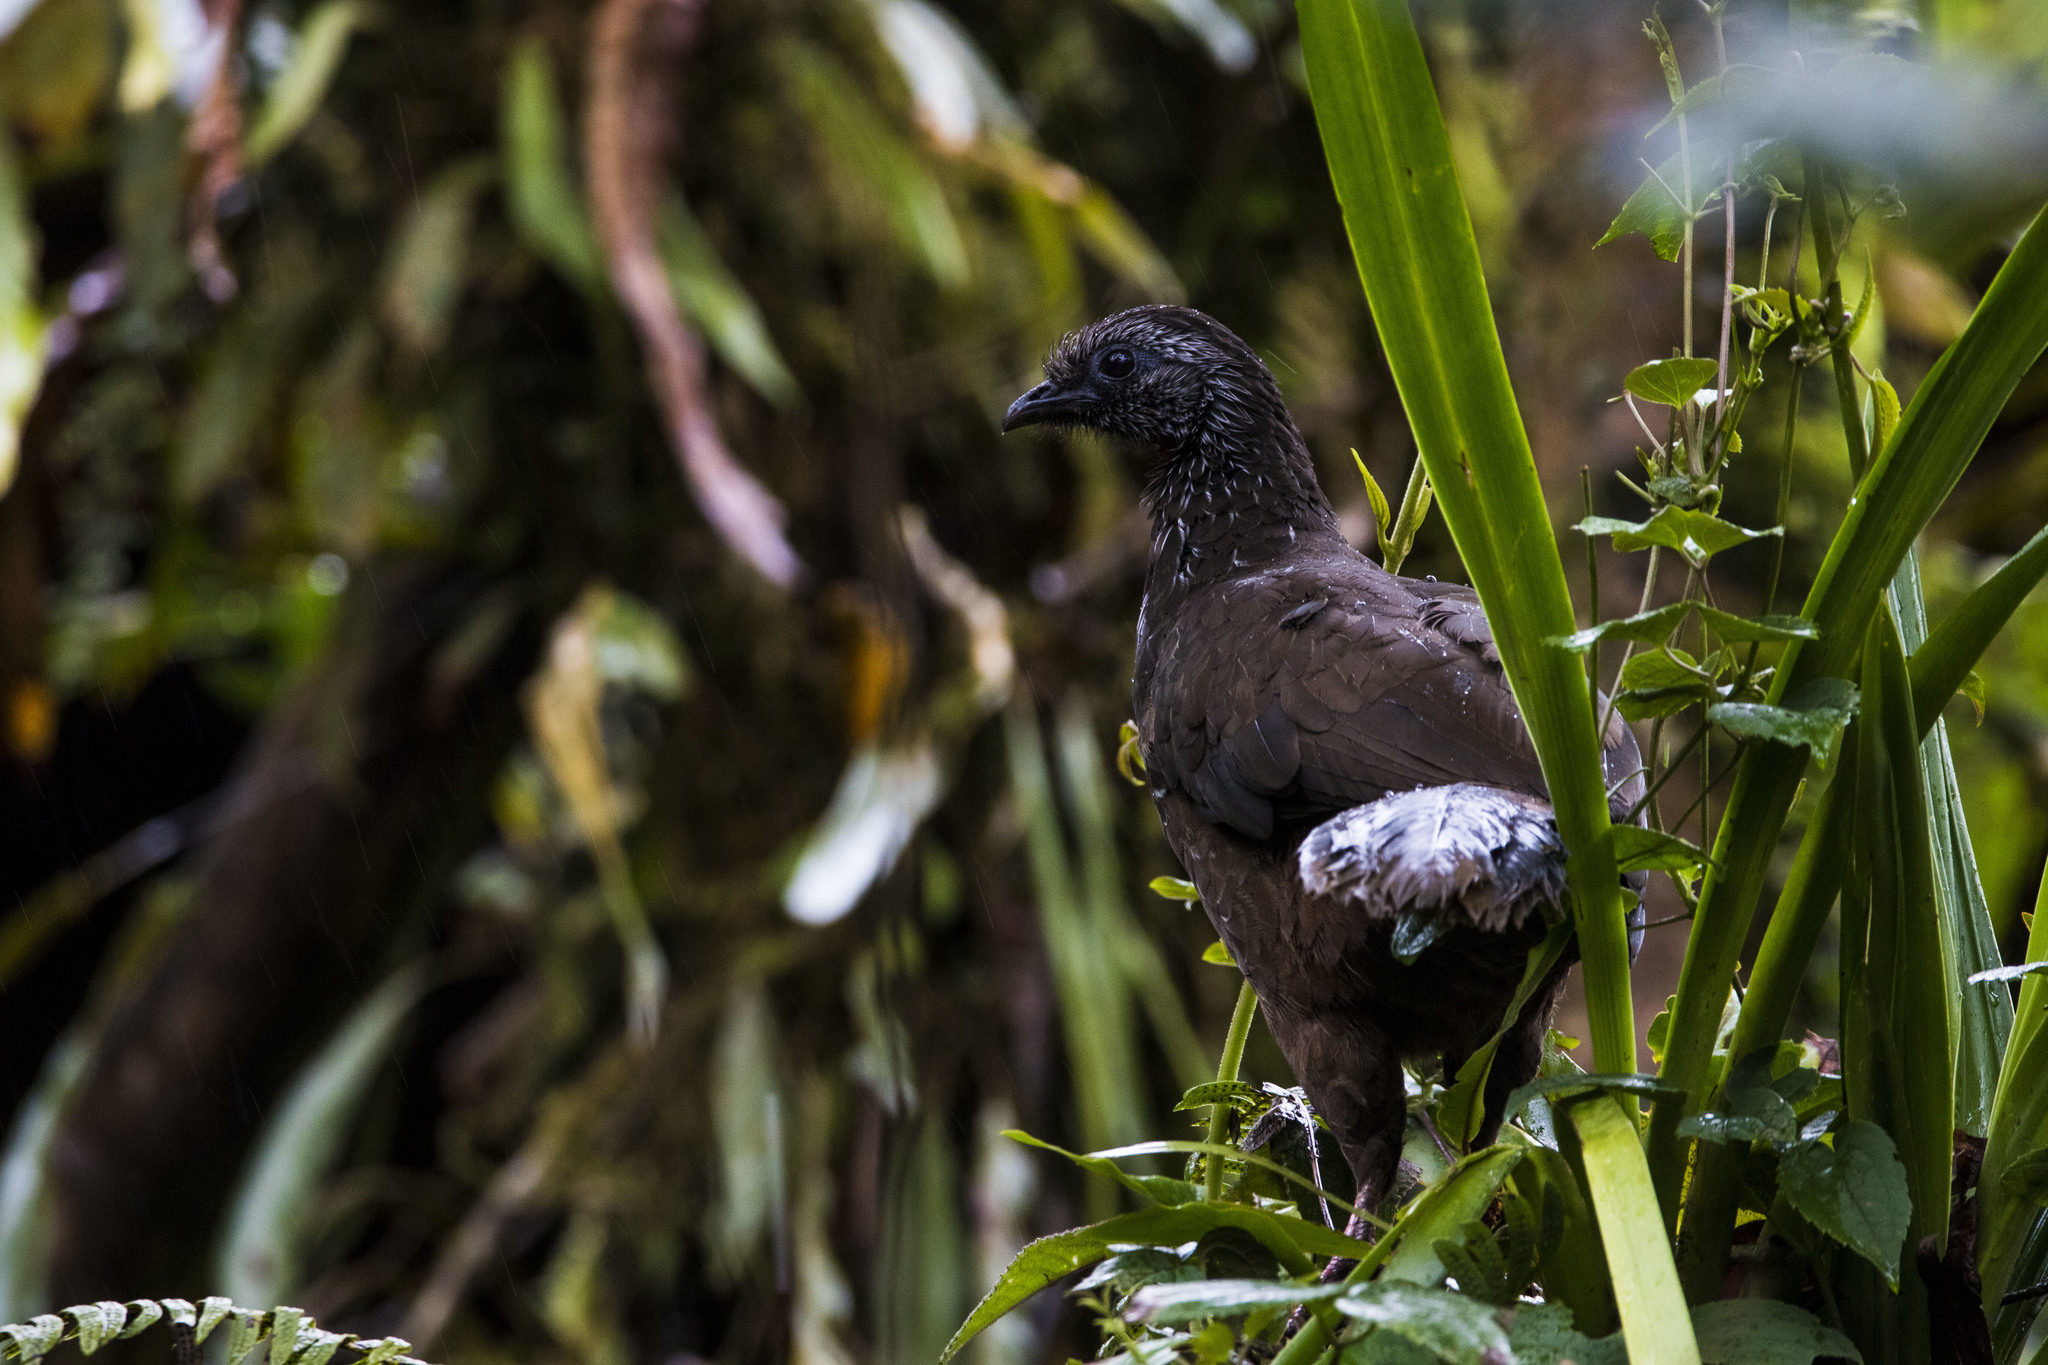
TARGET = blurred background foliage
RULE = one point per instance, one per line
(528, 837)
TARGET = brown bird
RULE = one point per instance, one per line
(1335, 752)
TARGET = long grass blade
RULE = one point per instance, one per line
(1412, 239)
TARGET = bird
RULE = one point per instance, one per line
(1334, 751)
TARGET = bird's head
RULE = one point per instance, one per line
(1160, 375)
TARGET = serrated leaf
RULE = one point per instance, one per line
(1050, 1259)
(1765, 1332)
(1174, 889)
(143, 1313)
(1654, 212)
(213, 1311)
(317, 1346)
(1219, 954)
(1647, 850)
(245, 1333)
(1813, 716)
(1670, 382)
(1775, 629)
(1854, 1191)
(1750, 1116)
(1543, 1334)
(1450, 1326)
(1650, 627)
(377, 1350)
(34, 1339)
(286, 1326)
(98, 1323)
(1696, 535)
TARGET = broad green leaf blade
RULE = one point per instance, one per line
(1670, 382)
(1953, 647)
(1653, 1313)
(1937, 437)
(262, 1247)
(1854, 1191)
(1651, 628)
(1765, 1332)
(1390, 160)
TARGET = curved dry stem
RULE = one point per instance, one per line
(634, 48)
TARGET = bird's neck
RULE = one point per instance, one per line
(1225, 501)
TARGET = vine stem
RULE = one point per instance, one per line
(1226, 1070)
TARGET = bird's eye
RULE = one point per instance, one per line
(1117, 364)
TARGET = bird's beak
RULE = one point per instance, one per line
(1045, 403)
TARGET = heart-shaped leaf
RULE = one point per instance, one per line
(1670, 382)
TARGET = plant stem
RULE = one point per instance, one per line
(1592, 590)
(1226, 1070)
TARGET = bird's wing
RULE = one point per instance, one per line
(1290, 696)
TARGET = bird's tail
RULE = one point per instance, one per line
(1440, 858)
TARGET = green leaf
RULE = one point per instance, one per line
(545, 203)
(1411, 237)
(1754, 1115)
(213, 1311)
(2026, 1178)
(1647, 850)
(263, 1243)
(1662, 682)
(1670, 382)
(721, 306)
(1158, 1189)
(1650, 627)
(98, 1323)
(1632, 1233)
(377, 1350)
(1458, 1197)
(1653, 211)
(1854, 1191)
(1698, 536)
(1174, 889)
(1765, 629)
(286, 1327)
(1239, 1095)
(1543, 1334)
(22, 336)
(1050, 1259)
(36, 1337)
(1450, 1326)
(295, 95)
(245, 1333)
(1171, 1305)
(1814, 716)
(1382, 515)
(1971, 689)
(179, 1311)
(1943, 664)
(142, 1313)
(1939, 433)
(1312, 1235)
(430, 261)
(1885, 399)
(1219, 953)
(1765, 1332)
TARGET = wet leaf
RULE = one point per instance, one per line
(1670, 382)
(1750, 1331)
(1812, 716)
(1696, 535)
(1653, 211)
(1171, 1305)
(142, 1314)
(1854, 1191)
(1452, 1327)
